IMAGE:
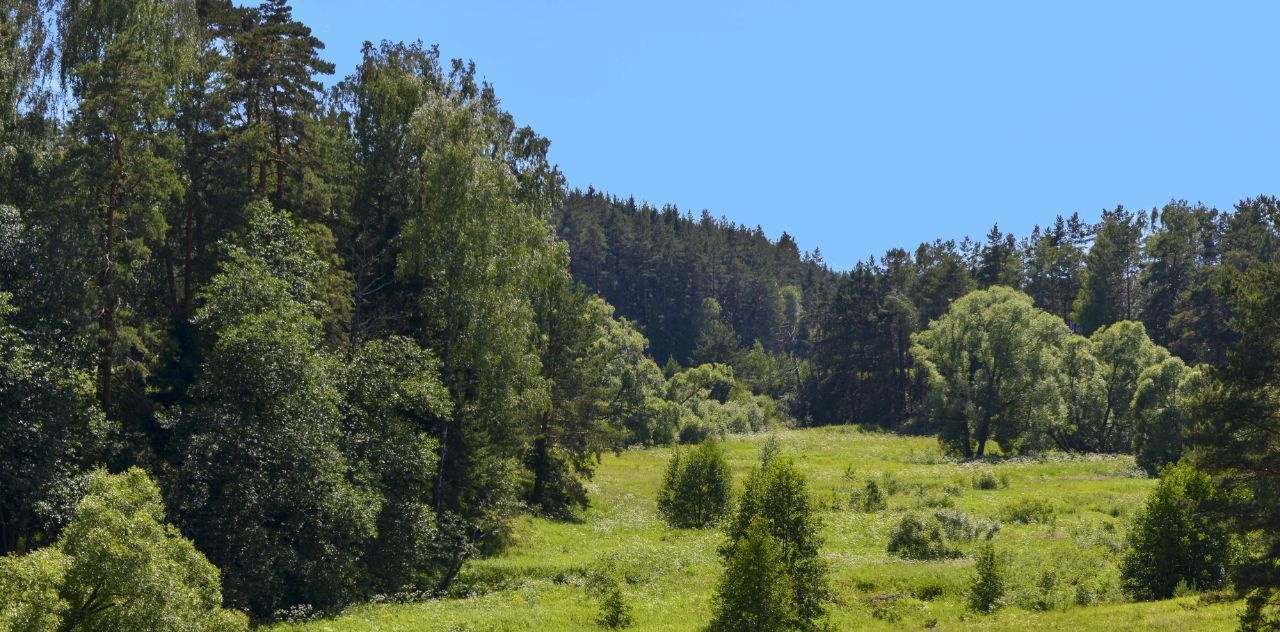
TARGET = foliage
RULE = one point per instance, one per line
(545, 579)
(1173, 541)
(391, 399)
(1109, 286)
(1236, 438)
(985, 360)
(755, 592)
(987, 480)
(474, 251)
(1162, 412)
(697, 488)
(1027, 510)
(1123, 351)
(589, 359)
(776, 496)
(52, 434)
(917, 538)
(117, 566)
(870, 499)
(988, 586)
(355, 331)
(30, 598)
(962, 527)
(263, 486)
(615, 613)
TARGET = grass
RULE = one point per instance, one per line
(1062, 560)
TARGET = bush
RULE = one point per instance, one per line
(117, 566)
(960, 526)
(696, 432)
(986, 592)
(697, 487)
(1028, 510)
(915, 538)
(755, 592)
(615, 612)
(937, 501)
(870, 499)
(1045, 597)
(987, 480)
(777, 496)
(1171, 541)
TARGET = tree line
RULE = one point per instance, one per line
(836, 346)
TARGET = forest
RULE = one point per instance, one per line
(271, 349)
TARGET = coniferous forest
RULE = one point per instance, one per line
(272, 348)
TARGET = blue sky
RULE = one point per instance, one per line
(858, 127)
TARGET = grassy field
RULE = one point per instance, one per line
(1063, 563)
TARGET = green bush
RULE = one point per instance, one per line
(1028, 510)
(755, 592)
(986, 592)
(916, 538)
(615, 612)
(1045, 597)
(962, 527)
(696, 432)
(870, 499)
(697, 487)
(776, 495)
(1171, 541)
(987, 480)
(117, 566)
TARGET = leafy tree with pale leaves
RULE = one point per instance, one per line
(117, 567)
(985, 361)
(1162, 405)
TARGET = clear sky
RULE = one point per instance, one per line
(860, 126)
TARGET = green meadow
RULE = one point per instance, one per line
(1062, 522)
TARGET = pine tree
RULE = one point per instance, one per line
(1237, 435)
(776, 499)
(1109, 290)
(988, 586)
(755, 592)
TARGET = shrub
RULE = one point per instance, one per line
(987, 480)
(915, 538)
(960, 526)
(697, 488)
(755, 592)
(1045, 597)
(1028, 510)
(777, 495)
(1261, 611)
(1171, 541)
(117, 566)
(696, 432)
(615, 612)
(986, 592)
(937, 501)
(869, 499)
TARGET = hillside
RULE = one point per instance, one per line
(545, 579)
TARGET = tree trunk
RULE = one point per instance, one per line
(107, 315)
(983, 431)
(541, 466)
